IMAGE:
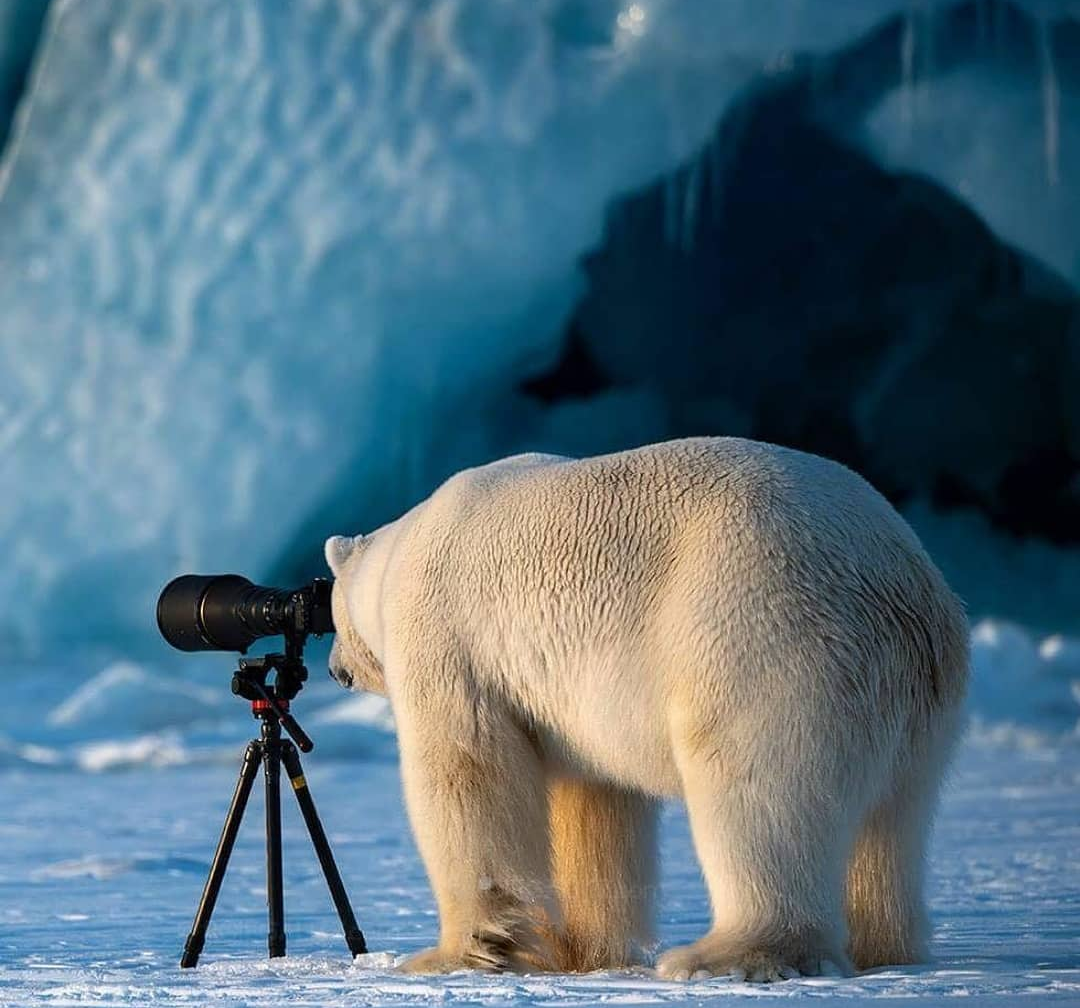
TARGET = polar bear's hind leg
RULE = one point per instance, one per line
(776, 899)
(773, 802)
(886, 915)
(883, 899)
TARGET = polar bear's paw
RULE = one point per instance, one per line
(488, 953)
(508, 938)
(434, 960)
(710, 957)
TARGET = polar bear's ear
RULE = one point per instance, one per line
(338, 549)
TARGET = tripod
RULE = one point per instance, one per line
(270, 705)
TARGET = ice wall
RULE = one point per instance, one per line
(813, 292)
(257, 256)
(245, 245)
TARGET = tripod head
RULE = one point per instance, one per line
(271, 700)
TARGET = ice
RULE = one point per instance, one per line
(253, 253)
(1051, 96)
(96, 912)
(1025, 693)
(146, 701)
(155, 750)
(20, 29)
(131, 715)
(261, 261)
(1000, 129)
(1022, 683)
(1032, 580)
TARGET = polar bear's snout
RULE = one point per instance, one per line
(338, 672)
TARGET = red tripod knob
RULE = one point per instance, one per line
(259, 706)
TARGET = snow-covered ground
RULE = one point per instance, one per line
(100, 874)
(113, 798)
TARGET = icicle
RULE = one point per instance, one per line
(691, 205)
(671, 209)
(907, 67)
(1051, 102)
(724, 151)
(717, 165)
(928, 50)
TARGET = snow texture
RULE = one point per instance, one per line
(114, 805)
(100, 875)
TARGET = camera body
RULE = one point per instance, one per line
(226, 612)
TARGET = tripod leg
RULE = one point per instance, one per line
(354, 937)
(275, 894)
(194, 945)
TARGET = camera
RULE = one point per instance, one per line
(226, 612)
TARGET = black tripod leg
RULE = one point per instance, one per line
(275, 893)
(354, 937)
(194, 944)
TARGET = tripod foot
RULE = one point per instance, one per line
(275, 942)
(192, 950)
(354, 938)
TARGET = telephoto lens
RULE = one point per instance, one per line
(226, 612)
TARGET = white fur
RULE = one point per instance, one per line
(564, 642)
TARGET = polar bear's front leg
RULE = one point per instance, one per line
(476, 799)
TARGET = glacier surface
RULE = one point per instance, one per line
(244, 246)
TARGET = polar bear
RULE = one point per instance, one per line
(566, 642)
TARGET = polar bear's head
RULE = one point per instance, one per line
(352, 662)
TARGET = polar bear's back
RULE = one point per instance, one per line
(729, 499)
(701, 573)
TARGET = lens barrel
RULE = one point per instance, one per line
(226, 612)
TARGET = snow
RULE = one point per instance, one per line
(100, 875)
(1025, 693)
(1033, 581)
(112, 811)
